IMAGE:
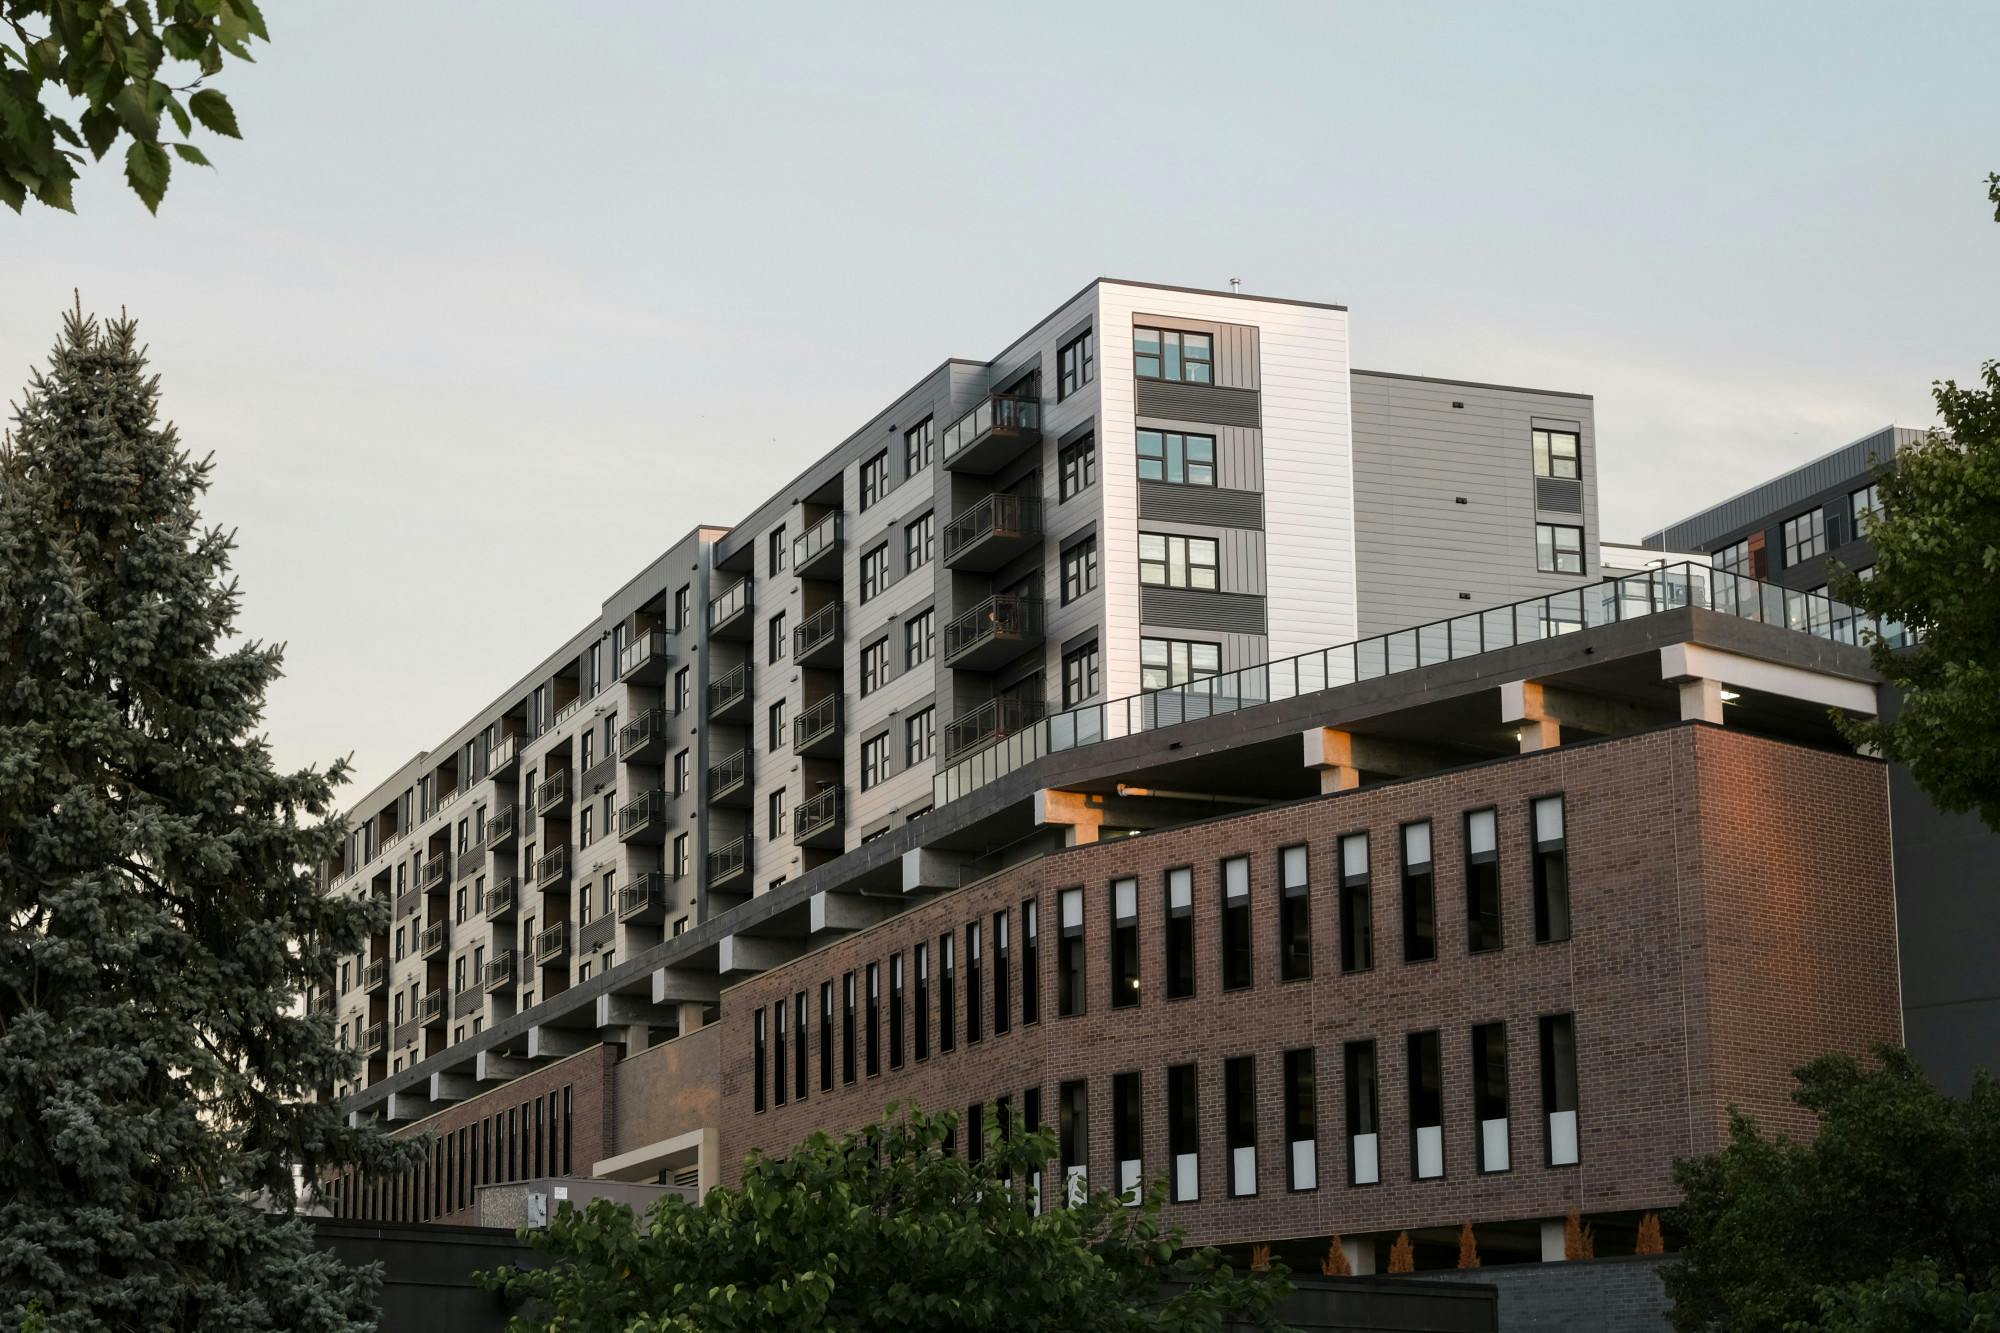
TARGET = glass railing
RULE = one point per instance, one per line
(553, 943)
(637, 815)
(817, 813)
(432, 1012)
(500, 971)
(816, 540)
(991, 721)
(1006, 616)
(500, 899)
(816, 630)
(728, 861)
(505, 751)
(646, 893)
(816, 723)
(648, 647)
(570, 709)
(728, 605)
(729, 689)
(995, 516)
(643, 730)
(997, 412)
(726, 775)
(1633, 597)
(553, 792)
(434, 939)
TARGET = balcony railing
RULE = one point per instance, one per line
(645, 897)
(993, 720)
(992, 434)
(502, 826)
(374, 1038)
(728, 778)
(1670, 588)
(818, 727)
(645, 658)
(729, 862)
(435, 939)
(729, 694)
(644, 819)
(817, 820)
(552, 944)
(437, 870)
(505, 754)
(501, 900)
(553, 794)
(998, 529)
(432, 1014)
(816, 640)
(816, 544)
(645, 735)
(552, 870)
(569, 710)
(730, 610)
(994, 632)
(500, 972)
(375, 976)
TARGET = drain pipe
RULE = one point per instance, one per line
(1200, 796)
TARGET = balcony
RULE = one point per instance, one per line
(729, 781)
(646, 899)
(500, 973)
(730, 864)
(729, 613)
(994, 720)
(816, 551)
(505, 755)
(816, 730)
(375, 976)
(373, 1038)
(729, 695)
(434, 1010)
(643, 740)
(501, 900)
(816, 640)
(323, 1002)
(998, 529)
(502, 827)
(566, 711)
(644, 660)
(437, 874)
(998, 430)
(435, 939)
(552, 945)
(552, 871)
(817, 821)
(644, 820)
(993, 633)
(552, 797)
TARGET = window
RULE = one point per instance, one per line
(460, 915)
(1166, 662)
(1180, 933)
(947, 991)
(920, 637)
(1551, 871)
(1861, 504)
(1031, 970)
(1167, 561)
(923, 1001)
(826, 1036)
(1489, 1095)
(1080, 673)
(1075, 363)
(1079, 569)
(1558, 454)
(1003, 957)
(1171, 456)
(917, 443)
(1172, 354)
(975, 1131)
(1124, 943)
(1805, 536)
(1419, 899)
(1426, 1071)
(757, 1075)
(1128, 1135)
(1079, 468)
(1236, 956)
(683, 607)
(1364, 1159)
(1301, 1120)
(874, 760)
(799, 1047)
(874, 666)
(778, 549)
(1184, 1132)
(1482, 883)
(683, 690)
(680, 856)
(1069, 953)
(1295, 912)
(1239, 1119)
(776, 717)
(874, 572)
(874, 1047)
(778, 1053)
(1073, 1140)
(920, 542)
(975, 992)
(847, 1034)
(919, 736)
(683, 772)
(874, 479)
(1558, 549)
(775, 651)
(1559, 1088)
(1734, 558)
(775, 802)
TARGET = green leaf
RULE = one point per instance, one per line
(11, 193)
(212, 109)
(252, 16)
(211, 59)
(62, 129)
(180, 115)
(183, 42)
(130, 107)
(54, 190)
(100, 130)
(147, 167)
(189, 153)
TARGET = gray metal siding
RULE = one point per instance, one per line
(1214, 505)
(1198, 402)
(1722, 524)
(1208, 612)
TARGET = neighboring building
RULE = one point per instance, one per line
(1791, 530)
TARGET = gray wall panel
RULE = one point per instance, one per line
(1214, 612)
(1214, 505)
(1198, 402)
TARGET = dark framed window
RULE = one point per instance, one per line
(1124, 943)
(1301, 1120)
(1079, 569)
(1073, 1140)
(874, 1046)
(1080, 675)
(1076, 362)
(1862, 504)
(1003, 962)
(1558, 453)
(1482, 882)
(1176, 457)
(1489, 1097)
(1179, 933)
(874, 572)
(1237, 957)
(1357, 905)
(778, 1035)
(874, 478)
(1558, 548)
(895, 1011)
(918, 442)
(1031, 971)
(826, 1036)
(1364, 1136)
(947, 991)
(1184, 1132)
(1419, 894)
(874, 760)
(975, 987)
(1069, 953)
(919, 736)
(923, 1000)
(1295, 960)
(1168, 662)
(1426, 1071)
(761, 1041)
(919, 542)
(1078, 461)
(1167, 560)
(849, 1039)
(1173, 354)
(1128, 1135)
(874, 666)
(1805, 536)
(1734, 558)
(799, 1047)
(920, 637)
(1239, 1119)
(1559, 1099)
(1551, 869)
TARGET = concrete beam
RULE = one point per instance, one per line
(448, 1087)
(403, 1106)
(684, 985)
(1342, 757)
(1081, 813)
(626, 1011)
(928, 871)
(753, 953)
(547, 1043)
(849, 911)
(1690, 661)
(1542, 711)
(1701, 701)
(494, 1067)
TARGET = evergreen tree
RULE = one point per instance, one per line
(160, 912)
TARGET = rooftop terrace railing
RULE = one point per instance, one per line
(1633, 597)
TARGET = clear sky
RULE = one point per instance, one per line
(497, 299)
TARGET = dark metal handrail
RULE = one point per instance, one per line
(994, 412)
(1007, 615)
(996, 515)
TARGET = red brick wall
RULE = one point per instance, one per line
(1732, 913)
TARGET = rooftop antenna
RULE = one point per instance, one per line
(1235, 285)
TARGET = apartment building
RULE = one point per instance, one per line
(1152, 488)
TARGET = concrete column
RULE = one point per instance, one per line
(1701, 700)
(1541, 733)
(1522, 702)
(1360, 1255)
(690, 1018)
(1552, 1241)
(1082, 813)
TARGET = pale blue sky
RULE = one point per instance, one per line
(497, 299)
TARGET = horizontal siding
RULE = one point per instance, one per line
(1215, 505)
(1199, 402)
(1726, 522)
(1212, 612)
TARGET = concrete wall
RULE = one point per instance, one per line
(667, 1090)
(1621, 1295)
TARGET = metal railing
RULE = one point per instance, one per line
(816, 631)
(433, 1009)
(553, 791)
(1005, 616)
(643, 730)
(816, 723)
(500, 972)
(502, 825)
(373, 1038)
(728, 861)
(816, 814)
(727, 605)
(554, 865)
(816, 540)
(991, 721)
(729, 689)
(649, 647)
(570, 709)
(995, 516)
(436, 871)
(500, 899)
(728, 774)
(644, 893)
(995, 412)
(552, 943)
(505, 751)
(1633, 597)
(647, 810)
(376, 975)
(436, 936)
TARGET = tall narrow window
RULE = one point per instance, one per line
(975, 1131)
(1302, 1118)
(1363, 1132)
(778, 1025)
(1031, 960)
(947, 991)
(1073, 1139)
(1124, 943)
(761, 1040)
(1184, 1131)
(1069, 954)
(974, 982)
(1357, 906)
(874, 1019)
(799, 1047)
(1482, 883)
(1128, 1135)
(896, 1011)
(1559, 1088)
(1003, 958)
(1419, 896)
(1236, 959)
(847, 1033)
(1031, 1123)
(1551, 871)
(826, 1036)
(1295, 959)
(1239, 1116)
(923, 1001)
(1426, 1106)
(1180, 933)
(1489, 1095)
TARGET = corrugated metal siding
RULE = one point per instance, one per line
(1216, 505)
(1723, 523)
(1558, 496)
(1210, 612)
(1199, 402)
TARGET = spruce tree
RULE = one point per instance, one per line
(160, 911)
